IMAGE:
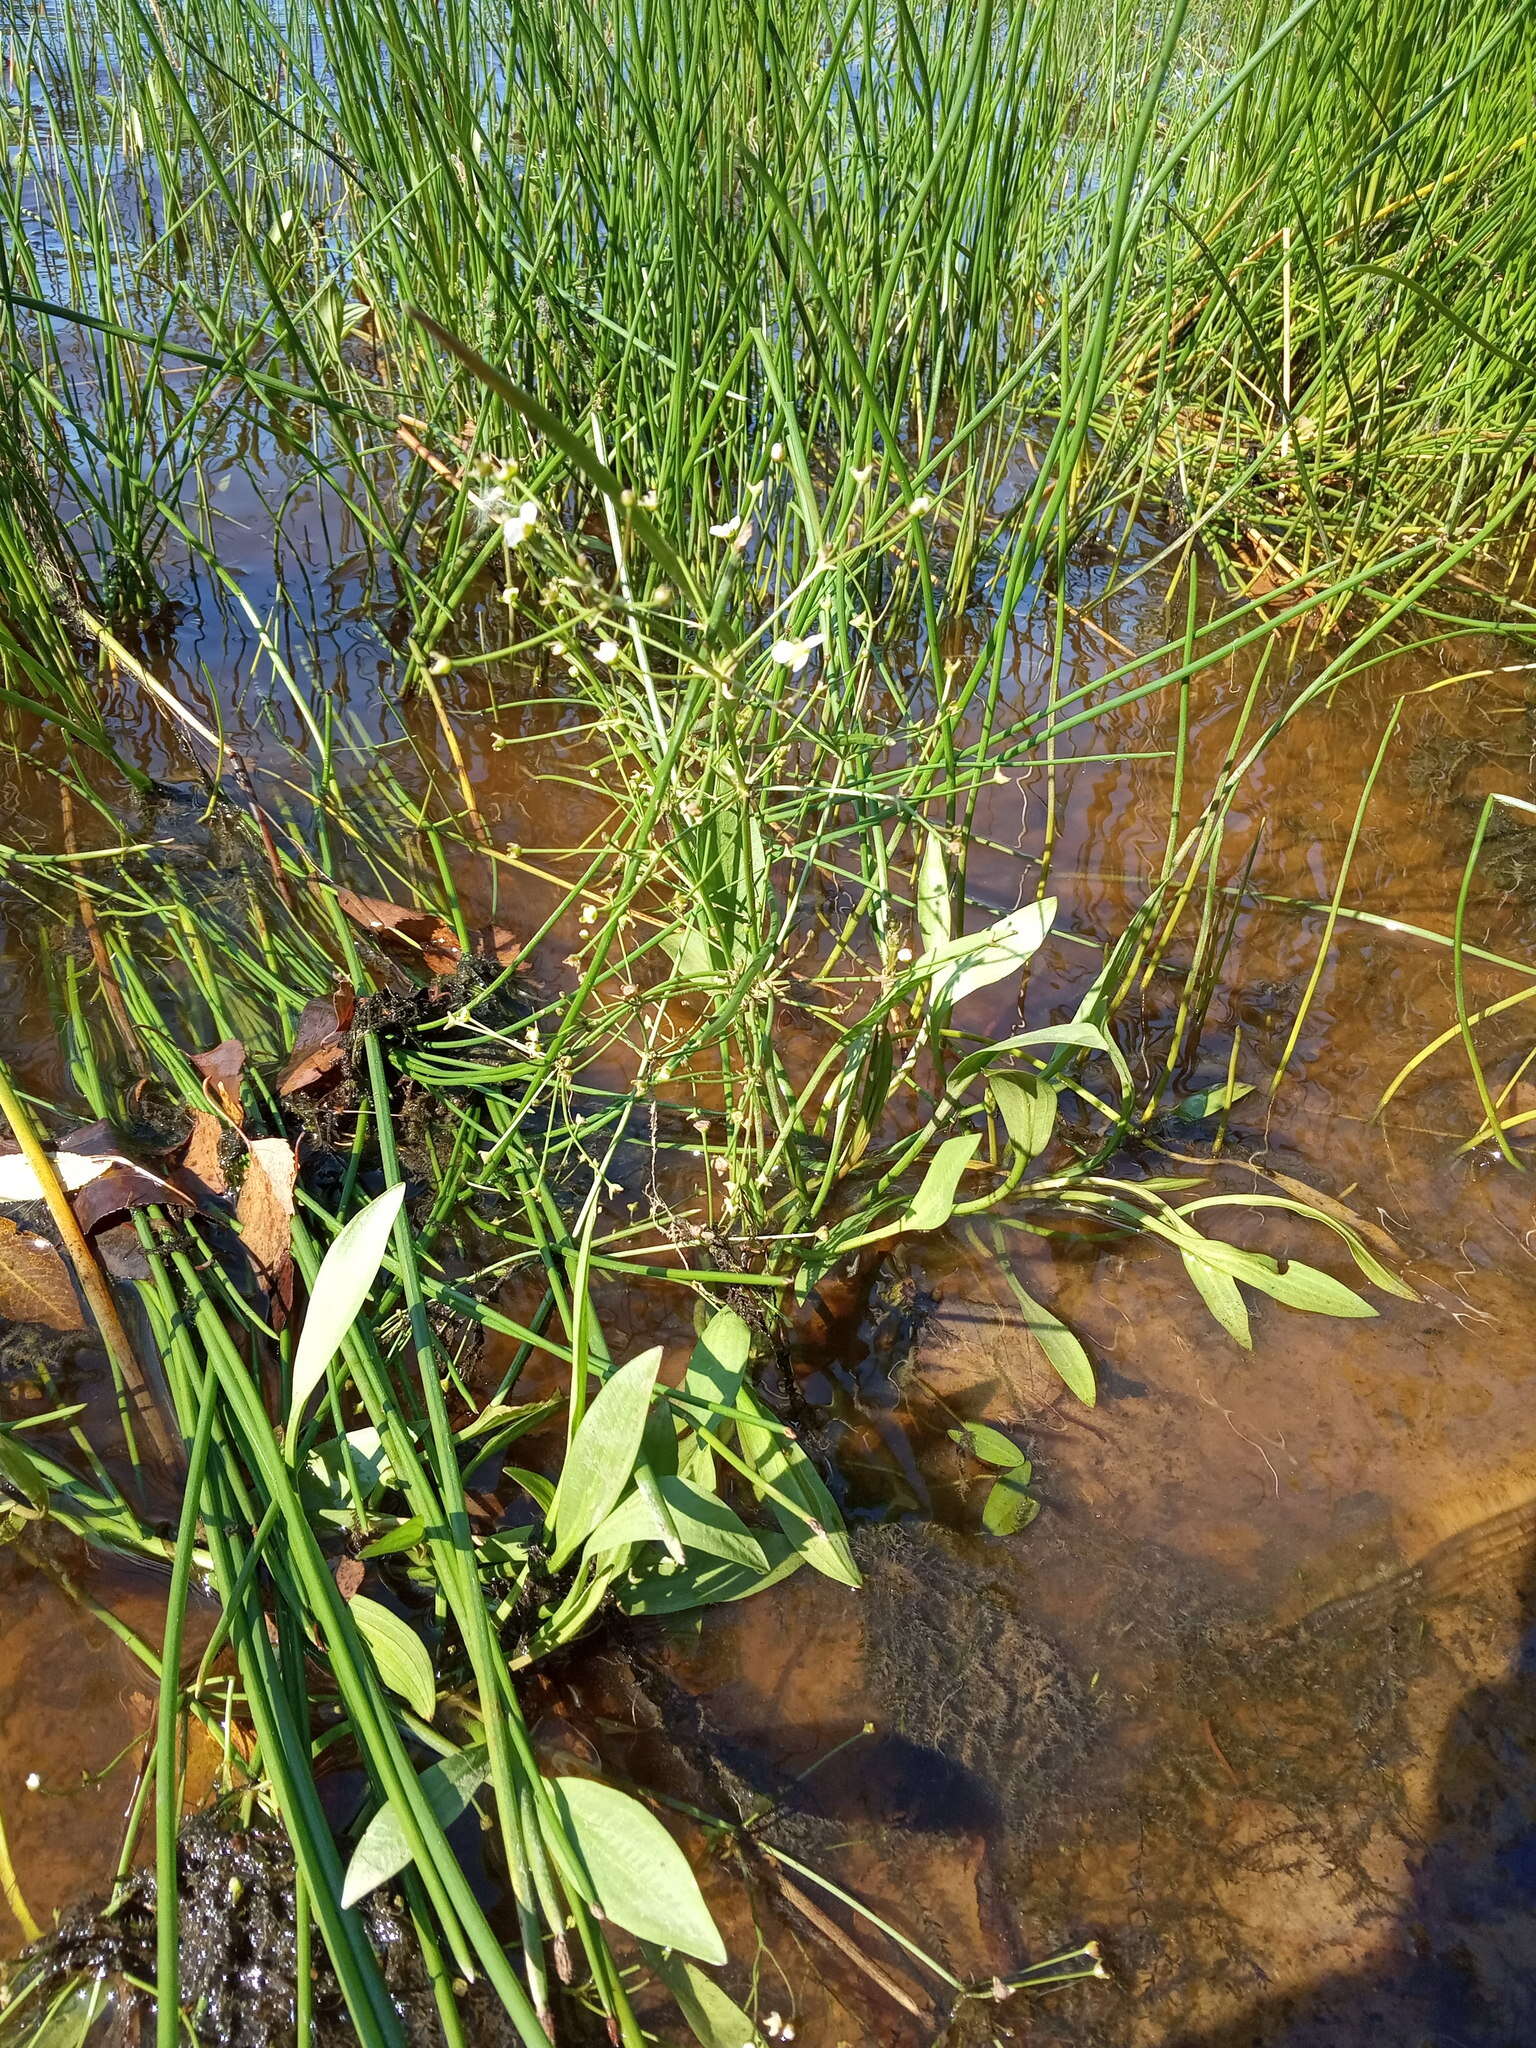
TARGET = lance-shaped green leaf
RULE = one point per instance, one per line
(816, 1530)
(399, 1653)
(383, 1851)
(341, 1287)
(601, 1459)
(934, 1203)
(1056, 1341)
(1027, 1104)
(959, 967)
(702, 1520)
(638, 1875)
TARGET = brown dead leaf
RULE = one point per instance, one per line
(123, 1187)
(421, 933)
(201, 1167)
(221, 1068)
(350, 1574)
(35, 1286)
(319, 1043)
(264, 1212)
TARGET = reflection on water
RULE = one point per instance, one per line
(1161, 1715)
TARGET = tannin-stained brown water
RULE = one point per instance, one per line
(1250, 1702)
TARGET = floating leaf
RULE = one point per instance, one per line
(640, 1878)
(933, 1204)
(341, 1287)
(399, 1653)
(221, 1068)
(1008, 1507)
(383, 1850)
(975, 960)
(702, 1521)
(991, 1446)
(1027, 1105)
(602, 1455)
(1057, 1342)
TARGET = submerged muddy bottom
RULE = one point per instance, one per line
(1251, 1702)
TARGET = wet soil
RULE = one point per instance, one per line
(1252, 1701)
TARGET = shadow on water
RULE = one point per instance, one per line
(1458, 1968)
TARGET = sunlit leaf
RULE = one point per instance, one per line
(400, 1654)
(1220, 1293)
(702, 1521)
(640, 1878)
(713, 2016)
(1027, 1105)
(602, 1456)
(707, 1582)
(991, 1446)
(719, 1361)
(341, 1287)
(933, 1204)
(780, 1461)
(383, 1848)
(1211, 1101)
(933, 907)
(1008, 1507)
(961, 966)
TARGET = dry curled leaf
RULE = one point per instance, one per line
(421, 933)
(122, 1188)
(221, 1068)
(423, 936)
(35, 1286)
(319, 1043)
(264, 1212)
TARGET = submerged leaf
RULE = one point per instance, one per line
(221, 1068)
(640, 1878)
(1056, 1341)
(346, 1273)
(602, 1455)
(933, 907)
(400, 1654)
(383, 1849)
(264, 1212)
(319, 1043)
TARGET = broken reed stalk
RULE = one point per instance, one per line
(93, 1282)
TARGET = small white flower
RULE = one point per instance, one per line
(517, 522)
(903, 953)
(650, 501)
(727, 528)
(439, 665)
(511, 594)
(862, 476)
(34, 1782)
(606, 651)
(776, 452)
(662, 594)
(772, 2024)
(589, 913)
(794, 654)
(920, 505)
